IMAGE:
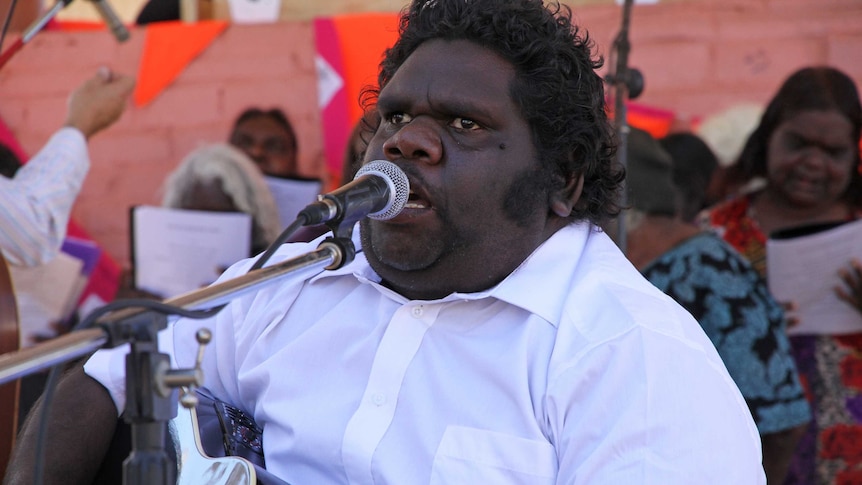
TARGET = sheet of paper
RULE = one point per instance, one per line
(254, 11)
(175, 251)
(292, 195)
(805, 269)
(44, 295)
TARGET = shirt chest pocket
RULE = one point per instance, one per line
(472, 456)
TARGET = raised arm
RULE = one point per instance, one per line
(35, 205)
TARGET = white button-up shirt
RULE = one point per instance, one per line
(573, 370)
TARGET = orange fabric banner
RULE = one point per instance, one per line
(168, 48)
(363, 38)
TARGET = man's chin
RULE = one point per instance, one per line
(395, 247)
(385, 258)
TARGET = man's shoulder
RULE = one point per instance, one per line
(618, 303)
(609, 296)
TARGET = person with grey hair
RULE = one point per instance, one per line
(221, 178)
(724, 293)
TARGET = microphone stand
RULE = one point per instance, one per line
(31, 31)
(150, 383)
(629, 84)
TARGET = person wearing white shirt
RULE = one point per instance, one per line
(36, 203)
(489, 332)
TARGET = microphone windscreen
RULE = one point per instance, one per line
(398, 183)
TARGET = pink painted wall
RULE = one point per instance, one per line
(698, 58)
(267, 65)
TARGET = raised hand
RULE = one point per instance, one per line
(851, 291)
(99, 101)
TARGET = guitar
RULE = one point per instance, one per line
(215, 423)
(9, 341)
(194, 466)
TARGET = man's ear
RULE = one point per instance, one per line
(563, 200)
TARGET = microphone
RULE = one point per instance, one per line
(121, 33)
(379, 191)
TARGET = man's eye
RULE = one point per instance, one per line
(465, 124)
(399, 118)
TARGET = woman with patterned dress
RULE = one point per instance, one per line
(807, 149)
(726, 296)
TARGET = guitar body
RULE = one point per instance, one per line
(9, 342)
(195, 467)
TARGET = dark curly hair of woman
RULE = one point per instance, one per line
(815, 88)
(556, 86)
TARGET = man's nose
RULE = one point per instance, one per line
(418, 140)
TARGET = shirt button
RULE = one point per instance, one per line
(378, 399)
(417, 311)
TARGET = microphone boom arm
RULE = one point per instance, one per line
(331, 254)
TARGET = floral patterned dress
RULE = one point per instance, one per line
(830, 368)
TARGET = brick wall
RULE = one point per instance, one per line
(247, 65)
(697, 58)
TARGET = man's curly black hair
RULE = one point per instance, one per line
(556, 86)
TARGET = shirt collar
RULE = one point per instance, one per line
(539, 285)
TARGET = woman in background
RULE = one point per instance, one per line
(807, 148)
(220, 178)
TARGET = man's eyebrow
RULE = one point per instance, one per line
(464, 106)
(391, 101)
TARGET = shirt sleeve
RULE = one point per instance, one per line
(35, 205)
(647, 408)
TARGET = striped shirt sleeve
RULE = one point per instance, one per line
(36, 204)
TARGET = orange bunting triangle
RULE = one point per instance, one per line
(168, 49)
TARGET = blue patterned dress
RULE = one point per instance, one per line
(732, 303)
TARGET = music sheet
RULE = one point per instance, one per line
(175, 251)
(45, 294)
(292, 195)
(804, 270)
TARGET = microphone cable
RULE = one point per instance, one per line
(6, 22)
(300, 221)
